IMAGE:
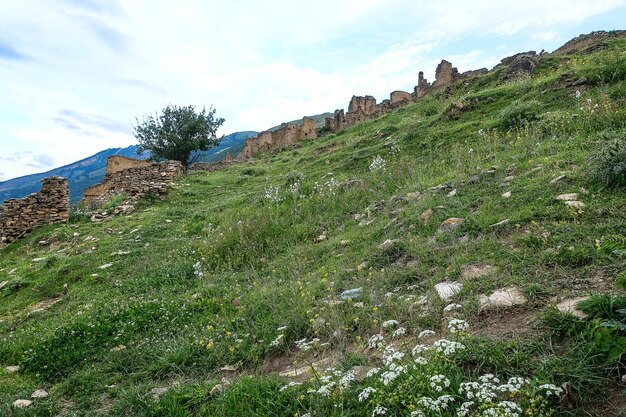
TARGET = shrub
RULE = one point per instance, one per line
(518, 114)
(608, 163)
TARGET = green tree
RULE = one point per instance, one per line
(177, 132)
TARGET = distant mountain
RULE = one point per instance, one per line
(91, 170)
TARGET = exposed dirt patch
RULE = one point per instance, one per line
(43, 305)
(505, 323)
(615, 404)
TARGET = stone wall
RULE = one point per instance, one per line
(21, 216)
(136, 179)
(213, 166)
(286, 135)
(117, 163)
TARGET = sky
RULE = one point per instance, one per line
(75, 75)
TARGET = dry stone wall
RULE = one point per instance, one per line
(51, 204)
(135, 179)
(286, 135)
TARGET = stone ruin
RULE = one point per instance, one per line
(273, 140)
(361, 108)
(365, 108)
(134, 178)
(51, 204)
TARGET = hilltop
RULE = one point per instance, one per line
(399, 267)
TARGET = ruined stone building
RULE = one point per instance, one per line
(20, 216)
(286, 135)
(134, 178)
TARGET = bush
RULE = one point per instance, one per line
(608, 163)
(518, 114)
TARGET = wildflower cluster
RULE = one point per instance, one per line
(378, 164)
(427, 381)
(272, 194)
(327, 188)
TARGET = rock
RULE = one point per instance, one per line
(22, 403)
(345, 242)
(477, 271)
(500, 223)
(364, 223)
(218, 389)
(157, 392)
(450, 225)
(569, 306)
(229, 369)
(360, 372)
(168, 221)
(362, 266)
(448, 289)
(508, 178)
(118, 348)
(105, 266)
(557, 179)
(575, 204)
(388, 244)
(39, 394)
(567, 197)
(321, 238)
(12, 369)
(506, 195)
(37, 260)
(580, 81)
(426, 215)
(414, 196)
(504, 297)
(318, 323)
(351, 294)
(452, 193)
(3, 283)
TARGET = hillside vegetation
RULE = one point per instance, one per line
(208, 303)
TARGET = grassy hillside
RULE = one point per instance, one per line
(197, 305)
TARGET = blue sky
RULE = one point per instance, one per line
(74, 74)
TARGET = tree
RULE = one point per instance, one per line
(178, 132)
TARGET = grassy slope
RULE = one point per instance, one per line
(258, 266)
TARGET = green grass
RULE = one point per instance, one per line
(214, 271)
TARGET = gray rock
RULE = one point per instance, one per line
(568, 197)
(218, 389)
(22, 403)
(12, 369)
(570, 306)
(39, 394)
(448, 289)
(504, 297)
(388, 244)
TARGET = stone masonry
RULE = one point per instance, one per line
(51, 204)
(286, 135)
(134, 178)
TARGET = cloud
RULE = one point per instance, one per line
(85, 122)
(9, 53)
(30, 159)
(107, 34)
(99, 6)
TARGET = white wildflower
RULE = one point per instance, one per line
(398, 332)
(378, 164)
(365, 394)
(452, 307)
(447, 347)
(439, 382)
(375, 341)
(551, 389)
(379, 411)
(425, 333)
(278, 340)
(390, 323)
(458, 325)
